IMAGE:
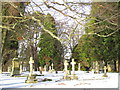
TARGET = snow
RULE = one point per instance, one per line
(85, 80)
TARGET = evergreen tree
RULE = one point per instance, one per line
(51, 50)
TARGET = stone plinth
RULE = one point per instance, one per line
(70, 77)
(31, 79)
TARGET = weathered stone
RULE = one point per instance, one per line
(109, 68)
(15, 67)
(97, 67)
(105, 73)
(9, 69)
(78, 66)
(73, 75)
(31, 77)
(45, 68)
(65, 65)
(21, 69)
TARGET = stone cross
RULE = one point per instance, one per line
(73, 66)
(105, 68)
(105, 75)
(78, 66)
(65, 65)
(21, 69)
(31, 64)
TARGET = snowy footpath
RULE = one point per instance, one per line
(85, 80)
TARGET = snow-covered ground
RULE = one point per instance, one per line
(85, 80)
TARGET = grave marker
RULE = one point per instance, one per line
(15, 67)
(78, 66)
(73, 66)
(109, 68)
(31, 77)
(105, 72)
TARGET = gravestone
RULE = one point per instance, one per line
(9, 69)
(117, 66)
(52, 66)
(73, 75)
(15, 67)
(67, 72)
(50, 69)
(21, 69)
(40, 69)
(105, 73)
(78, 66)
(73, 66)
(97, 67)
(66, 66)
(109, 68)
(45, 68)
(31, 77)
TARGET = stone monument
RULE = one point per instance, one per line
(21, 69)
(66, 70)
(109, 68)
(31, 77)
(78, 66)
(97, 67)
(73, 75)
(40, 69)
(105, 73)
(15, 67)
(9, 69)
(50, 69)
(52, 66)
(45, 68)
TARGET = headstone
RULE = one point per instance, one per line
(73, 76)
(21, 69)
(15, 67)
(45, 68)
(66, 65)
(9, 69)
(97, 67)
(67, 72)
(73, 66)
(117, 66)
(78, 66)
(50, 69)
(40, 69)
(105, 72)
(109, 68)
(31, 77)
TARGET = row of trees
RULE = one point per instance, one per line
(34, 33)
(104, 43)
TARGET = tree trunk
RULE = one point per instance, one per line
(0, 37)
(115, 69)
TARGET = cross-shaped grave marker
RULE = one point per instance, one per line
(73, 66)
(105, 72)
